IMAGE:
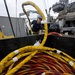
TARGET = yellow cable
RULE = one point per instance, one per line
(34, 50)
(24, 49)
(18, 56)
(21, 64)
(10, 67)
(43, 18)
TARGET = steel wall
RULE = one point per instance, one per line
(18, 25)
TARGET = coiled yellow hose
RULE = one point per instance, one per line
(30, 51)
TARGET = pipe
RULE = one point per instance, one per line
(9, 17)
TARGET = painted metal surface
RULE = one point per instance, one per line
(64, 43)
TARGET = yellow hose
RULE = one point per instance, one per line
(30, 51)
(21, 64)
(24, 49)
(43, 18)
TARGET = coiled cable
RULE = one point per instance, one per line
(37, 60)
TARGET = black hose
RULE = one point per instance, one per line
(9, 17)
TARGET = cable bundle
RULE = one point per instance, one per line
(44, 64)
(37, 60)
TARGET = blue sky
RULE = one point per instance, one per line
(12, 6)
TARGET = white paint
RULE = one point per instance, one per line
(16, 51)
(37, 43)
(58, 51)
(15, 59)
(43, 73)
(71, 63)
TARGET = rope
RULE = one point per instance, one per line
(37, 60)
